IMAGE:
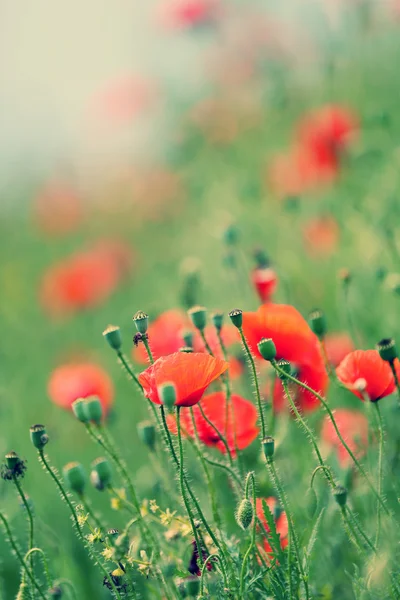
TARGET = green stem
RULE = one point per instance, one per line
(217, 431)
(204, 571)
(230, 471)
(20, 557)
(250, 478)
(45, 563)
(30, 517)
(61, 490)
(69, 585)
(380, 469)
(92, 514)
(396, 379)
(146, 345)
(206, 344)
(256, 384)
(128, 368)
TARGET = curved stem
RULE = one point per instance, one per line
(45, 563)
(256, 384)
(128, 368)
(204, 571)
(380, 465)
(249, 478)
(217, 431)
(70, 586)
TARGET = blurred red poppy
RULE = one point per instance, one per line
(337, 346)
(121, 100)
(321, 236)
(189, 13)
(165, 335)
(80, 380)
(58, 210)
(314, 375)
(264, 281)
(281, 521)
(353, 427)
(366, 367)
(191, 374)
(242, 419)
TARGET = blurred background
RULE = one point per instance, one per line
(146, 150)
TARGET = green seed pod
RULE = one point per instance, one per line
(192, 586)
(187, 337)
(217, 319)
(245, 513)
(167, 394)
(267, 349)
(147, 433)
(78, 408)
(340, 495)
(12, 460)
(141, 321)
(39, 436)
(317, 323)
(103, 473)
(186, 349)
(387, 349)
(261, 258)
(75, 477)
(236, 316)
(268, 445)
(93, 410)
(286, 368)
(55, 593)
(113, 336)
(231, 235)
(198, 316)
(311, 502)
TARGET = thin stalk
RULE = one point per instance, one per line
(128, 368)
(217, 431)
(30, 518)
(44, 560)
(396, 379)
(250, 477)
(204, 571)
(146, 345)
(255, 380)
(380, 470)
(92, 514)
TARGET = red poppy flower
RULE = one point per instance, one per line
(121, 100)
(165, 335)
(321, 236)
(242, 419)
(290, 332)
(189, 13)
(337, 346)
(315, 376)
(366, 365)
(58, 209)
(281, 522)
(264, 281)
(80, 380)
(191, 374)
(353, 427)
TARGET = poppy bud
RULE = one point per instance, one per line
(231, 235)
(147, 433)
(78, 408)
(141, 321)
(118, 575)
(75, 477)
(311, 502)
(261, 258)
(101, 473)
(39, 436)
(192, 586)
(340, 495)
(245, 513)
(318, 323)
(217, 319)
(268, 445)
(236, 316)
(267, 349)
(187, 349)
(55, 592)
(284, 365)
(113, 336)
(198, 316)
(93, 410)
(12, 460)
(265, 282)
(387, 349)
(187, 337)
(167, 394)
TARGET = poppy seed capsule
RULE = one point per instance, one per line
(236, 316)
(231, 235)
(245, 513)
(55, 592)
(11, 460)
(93, 410)
(187, 337)
(217, 319)
(113, 336)
(102, 468)
(39, 436)
(75, 477)
(285, 367)
(268, 445)
(147, 433)
(192, 587)
(267, 349)
(186, 349)
(261, 258)
(387, 349)
(78, 408)
(167, 394)
(141, 321)
(317, 323)
(340, 494)
(198, 316)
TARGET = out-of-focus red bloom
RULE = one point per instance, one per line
(366, 365)
(165, 335)
(57, 209)
(119, 251)
(80, 380)
(315, 376)
(321, 236)
(337, 346)
(265, 281)
(281, 522)
(353, 427)
(189, 13)
(229, 336)
(290, 332)
(242, 419)
(122, 100)
(191, 374)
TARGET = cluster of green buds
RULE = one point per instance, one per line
(88, 410)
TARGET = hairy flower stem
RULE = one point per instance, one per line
(250, 478)
(86, 505)
(380, 471)
(44, 560)
(212, 557)
(128, 368)
(342, 441)
(255, 381)
(30, 519)
(219, 434)
(61, 489)
(21, 559)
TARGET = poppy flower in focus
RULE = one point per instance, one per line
(242, 419)
(183, 14)
(165, 335)
(69, 382)
(57, 209)
(190, 373)
(290, 332)
(366, 366)
(314, 375)
(353, 427)
(229, 336)
(337, 346)
(264, 281)
(281, 521)
(321, 236)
